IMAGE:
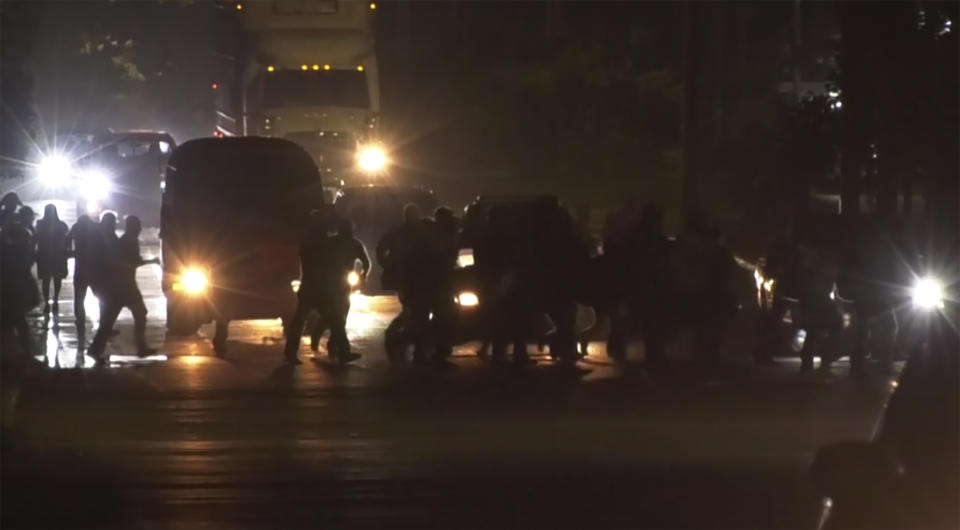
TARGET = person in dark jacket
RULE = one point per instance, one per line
(80, 241)
(325, 264)
(444, 243)
(18, 288)
(8, 208)
(51, 256)
(401, 272)
(344, 252)
(119, 289)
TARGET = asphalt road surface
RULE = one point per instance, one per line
(187, 439)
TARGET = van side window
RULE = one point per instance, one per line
(133, 149)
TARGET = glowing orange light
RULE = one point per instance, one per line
(373, 5)
(239, 7)
(360, 68)
(316, 67)
(270, 68)
(326, 67)
(304, 67)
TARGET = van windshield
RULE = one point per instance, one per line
(258, 187)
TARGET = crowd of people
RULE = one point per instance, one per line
(530, 262)
(853, 289)
(103, 263)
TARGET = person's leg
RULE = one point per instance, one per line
(57, 284)
(887, 331)
(220, 336)
(109, 310)
(339, 342)
(79, 295)
(806, 353)
(294, 331)
(139, 311)
(861, 339)
(617, 340)
(770, 323)
(23, 334)
(45, 287)
(418, 324)
(564, 317)
(444, 321)
(317, 327)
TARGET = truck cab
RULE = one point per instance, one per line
(305, 71)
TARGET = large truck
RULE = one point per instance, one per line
(306, 71)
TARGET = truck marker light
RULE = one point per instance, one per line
(270, 68)
(373, 6)
(326, 67)
(360, 68)
(303, 67)
(316, 67)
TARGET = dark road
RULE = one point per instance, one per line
(186, 439)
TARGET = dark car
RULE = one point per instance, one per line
(908, 475)
(375, 210)
(233, 213)
(126, 174)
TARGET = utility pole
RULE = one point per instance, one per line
(797, 46)
(691, 124)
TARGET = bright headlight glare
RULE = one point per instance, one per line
(95, 184)
(465, 258)
(467, 299)
(927, 294)
(372, 158)
(353, 279)
(54, 170)
(193, 281)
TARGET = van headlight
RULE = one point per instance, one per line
(193, 281)
(467, 299)
(94, 185)
(465, 258)
(372, 158)
(54, 171)
(927, 294)
(353, 279)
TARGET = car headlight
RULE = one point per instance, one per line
(193, 281)
(372, 158)
(465, 258)
(95, 185)
(467, 299)
(54, 171)
(927, 294)
(353, 279)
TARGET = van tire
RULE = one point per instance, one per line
(180, 325)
